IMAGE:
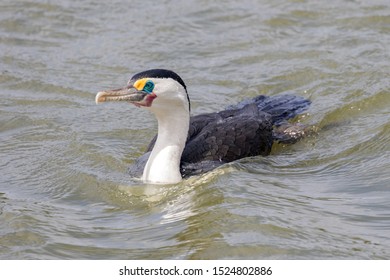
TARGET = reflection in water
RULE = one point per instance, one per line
(190, 204)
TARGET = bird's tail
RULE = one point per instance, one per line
(280, 107)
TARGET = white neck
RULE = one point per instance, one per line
(163, 165)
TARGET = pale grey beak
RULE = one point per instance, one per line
(129, 94)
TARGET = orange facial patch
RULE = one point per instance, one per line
(140, 84)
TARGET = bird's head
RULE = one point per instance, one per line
(156, 89)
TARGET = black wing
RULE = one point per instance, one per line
(224, 137)
(228, 135)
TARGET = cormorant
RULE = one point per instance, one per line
(187, 145)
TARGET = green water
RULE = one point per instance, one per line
(64, 191)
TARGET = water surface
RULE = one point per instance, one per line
(64, 191)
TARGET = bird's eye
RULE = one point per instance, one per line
(149, 86)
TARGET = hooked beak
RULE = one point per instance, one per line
(129, 94)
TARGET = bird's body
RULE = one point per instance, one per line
(185, 145)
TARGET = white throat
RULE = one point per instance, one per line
(173, 118)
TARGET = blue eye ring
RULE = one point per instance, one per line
(148, 87)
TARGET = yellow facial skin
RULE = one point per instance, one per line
(140, 84)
